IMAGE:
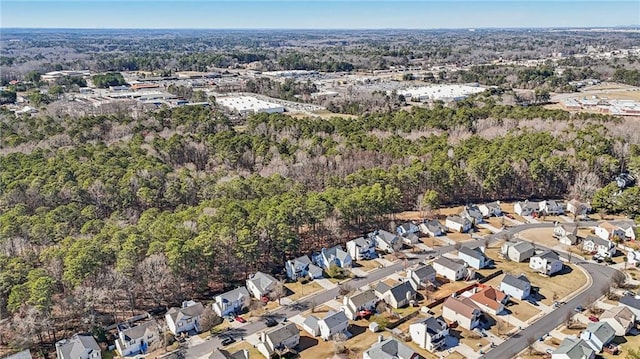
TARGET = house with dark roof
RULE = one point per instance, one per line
(489, 299)
(421, 276)
(516, 287)
(261, 284)
(231, 302)
(79, 346)
(390, 348)
(302, 267)
(472, 213)
(361, 248)
(491, 209)
(551, 207)
(397, 296)
(573, 348)
(458, 224)
(360, 301)
(598, 335)
(334, 255)
(406, 228)
(186, 318)
(332, 324)
(519, 251)
(474, 257)
(137, 339)
(429, 333)
(280, 340)
(387, 241)
(547, 263)
(602, 247)
(463, 311)
(432, 228)
(452, 269)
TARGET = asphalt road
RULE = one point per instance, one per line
(600, 274)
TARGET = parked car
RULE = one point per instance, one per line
(240, 319)
(594, 318)
(579, 309)
(226, 340)
(271, 322)
(364, 313)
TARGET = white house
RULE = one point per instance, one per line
(451, 269)
(260, 284)
(526, 208)
(332, 324)
(473, 214)
(562, 229)
(421, 276)
(547, 263)
(620, 318)
(397, 296)
(302, 267)
(633, 258)
(432, 228)
(519, 251)
(608, 230)
(463, 311)
(361, 248)
(184, 319)
(578, 208)
(310, 325)
(573, 348)
(551, 207)
(390, 348)
(568, 240)
(364, 300)
(231, 302)
(279, 340)
(629, 230)
(79, 346)
(516, 287)
(334, 255)
(406, 228)
(602, 247)
(429, 333)
(474, 257)
(597, 335)
(457, 224)
(139, 339)
(491, 209)
(387, 241)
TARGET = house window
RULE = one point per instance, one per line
(188, 320)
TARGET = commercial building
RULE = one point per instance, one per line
(249, 105)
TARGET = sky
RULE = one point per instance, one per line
(316, 14)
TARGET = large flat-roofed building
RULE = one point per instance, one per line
(440, 92)
(249, 105)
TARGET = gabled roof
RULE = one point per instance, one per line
(301, 262)
(568, 227)
(549, 255)
(335, 319)
(140, 330)
(489, 297)
(362, 242)
(262, 281)
(77, 346)
(392, 349)
(424, 271)
(311, 322)
(473, 253)
(450, 263)
(462, 306)
(608, 226)
(408, 226)
(25, 354)
(493, 205)
(399, 291)
(194, 310)
(362, 298)
(621, 314)
(574, 348)
(522, 246)
(459, 220)
(382, 287)
(336, 252)
(599, 241)
(283, 333)
(530, 205)
(520, 282)
(601, 330)
(433, 325)
(233, 295)
(386, 237)
(434, 225)
(631, 301)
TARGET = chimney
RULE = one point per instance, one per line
(380, 338)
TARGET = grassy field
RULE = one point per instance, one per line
(300, 290)
(446, 289)
(253, 352)
(523, 310)
(473, 340)
(367, 265)
(542, 236)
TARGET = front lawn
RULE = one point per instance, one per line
(301, 290)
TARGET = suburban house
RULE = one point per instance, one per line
(302, 267)
(489, 299)
(563, 229)
(310, 325)
(260, 284)
(474, 257)
(25, 354)
(620, 318)
(452, 269)
(387, 241)
(421, 276)
(332, 324)
(79, 346)
(139, 339)
(631, 302)
(390, 348)
(457, 224)
(602, 247)
(573, 348)
(516, 287)
(430, 333)
(334, 255)
(568, 240)
(406, 228)
(219, 353)
(608, 230)
(547, 263)
(432, 228)
(526, 208)
(280, 340)
(519, 251)
(578, 208)
(361, 248)
(186, 318)
(410, 239)
(629, 230)
(551, 208)
(598, 335)
(397, 296)
(491, 209)
(353, 304)
(633, 257)
(231, 302)
(463, 311)
(472, 213)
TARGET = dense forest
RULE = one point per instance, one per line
(104, 216)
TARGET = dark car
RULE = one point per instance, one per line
(271, 322)
(579, 309)
(226, 340)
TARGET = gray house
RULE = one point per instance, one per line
(516, 287)
(598, 335)
(361, 248)
(280, 340)
(365, 300)
(421, 276)
(390, 348)
(518, 252)
(260, 284)
(386, 241)
(573, 348)
(474, 257)
(302, 267)
(432, 228)
(397, 296)
(473, 214)
(80, 346)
